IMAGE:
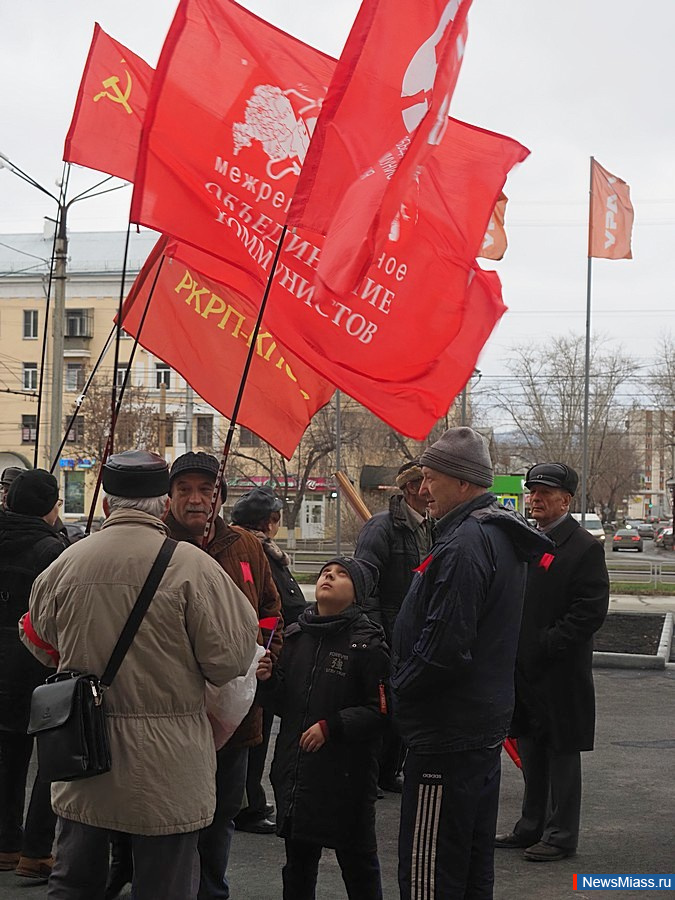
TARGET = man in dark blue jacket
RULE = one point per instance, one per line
(453, 656)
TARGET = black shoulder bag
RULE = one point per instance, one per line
(67, 715)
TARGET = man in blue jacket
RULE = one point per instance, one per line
(453, 656)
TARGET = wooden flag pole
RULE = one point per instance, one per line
(352, 497)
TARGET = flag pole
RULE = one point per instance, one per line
(242, 384)
(587, 365)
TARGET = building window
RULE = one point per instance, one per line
(204, 431)
(30, 324)
(28, 429)
(74, 376)
(79, 323)
(121, 375)
(162, 375)
(30, 377)
(73, 500)
(249, 438)
(76, 432)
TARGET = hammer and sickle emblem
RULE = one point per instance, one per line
(117, 96)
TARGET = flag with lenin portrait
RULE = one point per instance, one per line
(230, 117)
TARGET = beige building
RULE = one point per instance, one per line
(651, 434)
(160, 410)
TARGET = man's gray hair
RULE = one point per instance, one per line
(154, 506)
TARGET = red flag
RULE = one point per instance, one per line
(106, 127)
(227, 129)
(408, 337)
(386, 111)
(611, 217)
(494, 242)
(203, 330)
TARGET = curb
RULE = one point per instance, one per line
(605, 660)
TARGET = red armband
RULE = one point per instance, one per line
(36, 640)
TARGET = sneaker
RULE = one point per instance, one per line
(35, 868)
(9, 861)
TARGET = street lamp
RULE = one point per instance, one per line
(60, 261)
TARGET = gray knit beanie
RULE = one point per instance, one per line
(462, 453)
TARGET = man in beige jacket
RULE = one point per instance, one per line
(199, 627)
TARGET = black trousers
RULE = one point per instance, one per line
(392, 755)
(165, 866)
(256, 800)
(448, 824)
(552, 798)
(36, 839)
(360, 872)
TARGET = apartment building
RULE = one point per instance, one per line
(651, 434)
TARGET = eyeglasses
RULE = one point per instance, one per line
(59, 502)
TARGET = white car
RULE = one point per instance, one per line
(593, 525)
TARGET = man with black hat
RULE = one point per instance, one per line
(565, 604)
(453, 656)
(198, 628)
(6, 479)
(29, 542)
(395, 541)
(192, 479)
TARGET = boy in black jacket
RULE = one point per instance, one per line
(329, 688)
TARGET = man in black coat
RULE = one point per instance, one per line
(565, 604)
(395, 542)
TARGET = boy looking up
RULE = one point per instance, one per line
(328, 687)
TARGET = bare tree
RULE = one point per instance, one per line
(545, 400)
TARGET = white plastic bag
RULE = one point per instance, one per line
(227, 706)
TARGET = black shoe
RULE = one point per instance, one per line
(508, 840)
(380, 794)
(543, 852)
(258, 826)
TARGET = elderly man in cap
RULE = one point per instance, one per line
(193, 476)
(29, 542)
(198, 628)
(565, 603)
(395, 542)
(453, 656)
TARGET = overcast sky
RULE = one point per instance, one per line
(567, 79)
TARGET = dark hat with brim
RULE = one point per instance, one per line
(9, 474)
(255, 506)
(556, 475)
(34, 492)
(136, 473)
(200, 462)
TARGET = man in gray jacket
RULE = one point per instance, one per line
(198, 628)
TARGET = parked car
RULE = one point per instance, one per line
(627, 539)
(664, 538)
(646, 530)
(593, 525)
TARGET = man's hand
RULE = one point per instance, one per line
(264, 670)
(313, 739)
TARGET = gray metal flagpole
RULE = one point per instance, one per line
(587, 367)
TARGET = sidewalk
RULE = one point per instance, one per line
(628, 821)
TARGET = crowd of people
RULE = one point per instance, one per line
(454, 625)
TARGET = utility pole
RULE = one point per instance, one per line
(189, 415)
(58, 335)
(162, 420)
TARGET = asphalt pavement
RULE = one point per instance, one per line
(628, 824)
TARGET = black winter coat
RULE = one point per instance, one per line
(388, 542)
(27, 546)
(292, 599)
(455, 639)
(565, 604)
(333, 668)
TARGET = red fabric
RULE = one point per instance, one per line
(36, 640)
(270, 623)
(218, 165)
(246, 571)
(611, 216)
(424, 564)
(546, 560)
(384, 115)
(106, 127)
(511, 747)
(202, 330)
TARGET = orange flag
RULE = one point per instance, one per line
(494, 243)
(110, 109)
(611, 216)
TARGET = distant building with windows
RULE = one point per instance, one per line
(651, 434)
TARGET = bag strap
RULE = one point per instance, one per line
(140, 608)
